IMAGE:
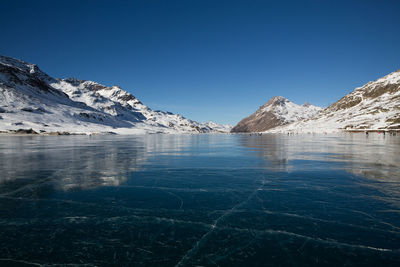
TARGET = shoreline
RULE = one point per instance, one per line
(31, 132)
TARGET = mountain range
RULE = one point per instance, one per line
(374, 106)
(31, 99)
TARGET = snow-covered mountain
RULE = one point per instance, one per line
(374, 106)
(29, 98)
(276, 112)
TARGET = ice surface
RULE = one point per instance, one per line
(182, 200)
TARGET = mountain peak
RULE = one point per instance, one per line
(19, 66)
(278, 99)
(89, 85)
(276, 112)
(275, 101)
(13, 61)
(391, 78)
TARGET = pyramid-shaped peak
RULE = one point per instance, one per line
(277, 100)
(281, 98)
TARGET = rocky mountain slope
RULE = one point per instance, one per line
(276, 112)
(374, 106)
(29, 98)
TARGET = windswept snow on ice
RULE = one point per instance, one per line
(374, 106)
(29, 98)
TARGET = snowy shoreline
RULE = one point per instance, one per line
(31, 132)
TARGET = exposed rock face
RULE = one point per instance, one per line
(374, 106)
(18, 73)
(34, 100)
(276, 112)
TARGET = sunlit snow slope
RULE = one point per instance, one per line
(374, 106)
(29, 98)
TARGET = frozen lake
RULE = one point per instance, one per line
(206, 200)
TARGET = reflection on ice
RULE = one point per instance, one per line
(375, 156)
(80, 162)
(69, 163)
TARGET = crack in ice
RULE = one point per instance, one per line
(194, 249)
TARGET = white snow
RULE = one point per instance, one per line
(372, 113)
(289, 111)
(29, 98)
(75, 106)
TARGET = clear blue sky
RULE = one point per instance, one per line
(209, 59)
